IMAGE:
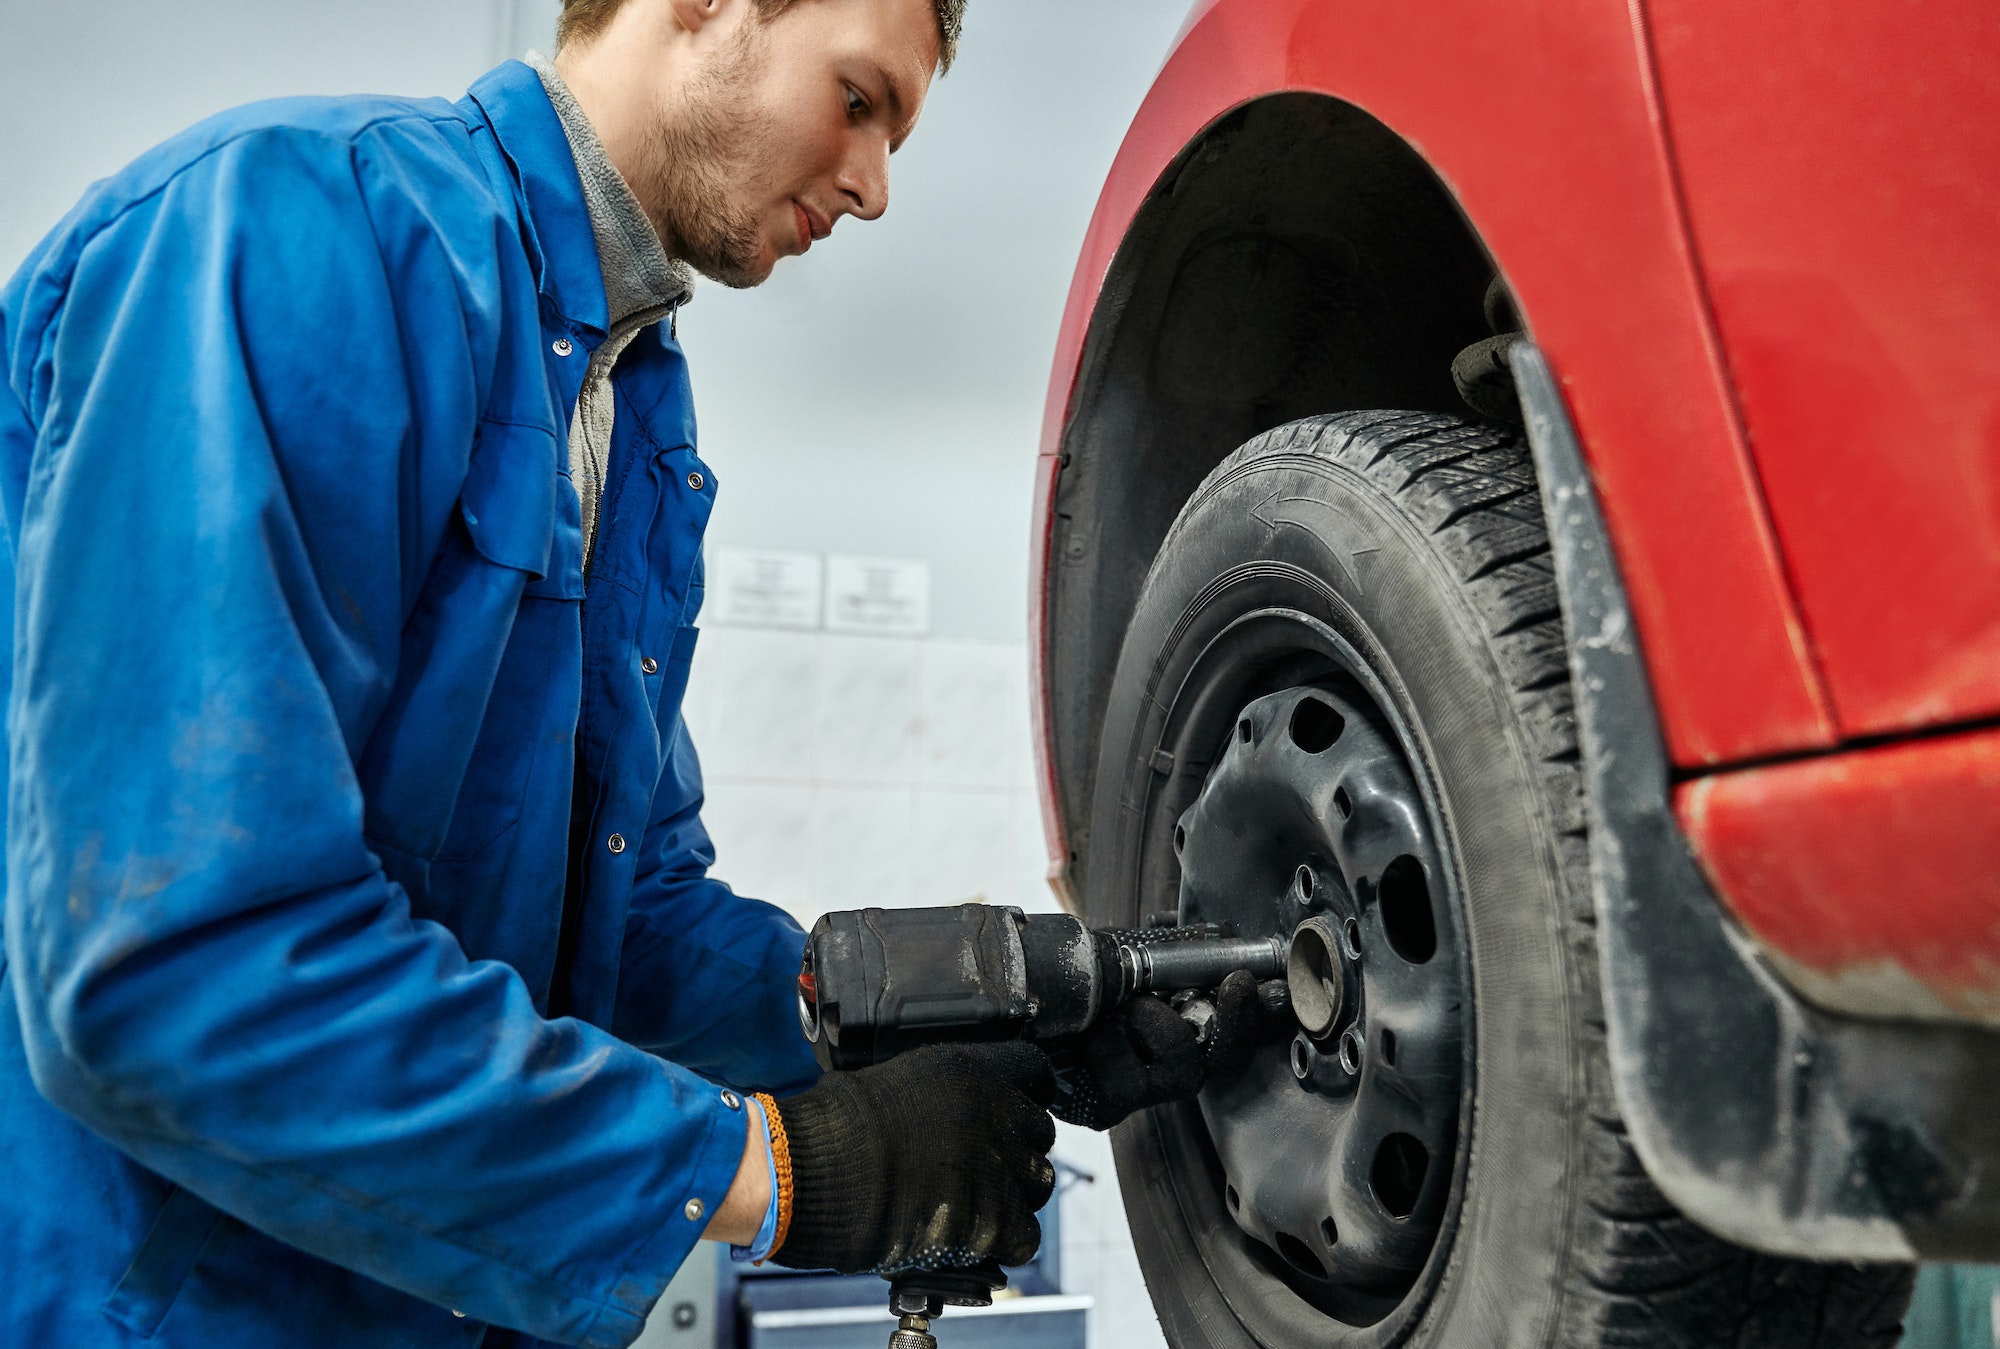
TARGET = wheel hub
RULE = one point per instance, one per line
(1336, 1148)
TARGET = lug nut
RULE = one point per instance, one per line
(1350, 1051)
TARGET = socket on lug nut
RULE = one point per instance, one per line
(1313, 973)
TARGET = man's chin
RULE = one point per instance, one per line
(744, 278)
(743, 269)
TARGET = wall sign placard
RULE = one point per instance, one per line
(758, 588)
(886, 596)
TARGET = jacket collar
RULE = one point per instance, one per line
(513, 102)
(638, 274)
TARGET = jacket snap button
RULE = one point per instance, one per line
(562, 346)
(616, 843)
(731, 1099)
(459, 1314)
(695, 1208)
(695, 481)
(650, 666)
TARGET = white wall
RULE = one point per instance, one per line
(85, 85)
(845, 772)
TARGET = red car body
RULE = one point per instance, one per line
(1759, 245)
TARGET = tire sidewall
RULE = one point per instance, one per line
(1383, 584)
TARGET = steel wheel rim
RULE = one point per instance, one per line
(1373, 1265)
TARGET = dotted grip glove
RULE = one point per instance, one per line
(1147, 1054)
(937, 1159)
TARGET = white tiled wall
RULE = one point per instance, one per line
(844, 772)
(1097, 1256)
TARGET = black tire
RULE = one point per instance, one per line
(1419, 539)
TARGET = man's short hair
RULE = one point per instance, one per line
(582, 19)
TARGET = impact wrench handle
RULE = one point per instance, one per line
(919, 1297)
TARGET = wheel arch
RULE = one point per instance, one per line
(1542, 122)
(1297, 257)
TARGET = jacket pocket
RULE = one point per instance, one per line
(510, 502)
(165, 1258)
(521, 509)
(510, 534)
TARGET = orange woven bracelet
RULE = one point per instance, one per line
(781, 1161)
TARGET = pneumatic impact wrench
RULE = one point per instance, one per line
(877, 982)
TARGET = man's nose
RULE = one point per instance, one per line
(864, 183)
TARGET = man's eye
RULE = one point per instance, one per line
(856, 104)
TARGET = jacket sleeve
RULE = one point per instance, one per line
(261, 376)
(709, 978)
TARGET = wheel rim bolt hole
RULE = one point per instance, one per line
(1180, 838)
(1343, 803)
(1315, 725)
(1351, 1048)
(1304, 881)
(1350, 937)
(1300, 1256)
(1403, 902)
(1302, 1056)
(1397, 1178)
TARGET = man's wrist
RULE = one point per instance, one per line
(766, 1240)
(742, 1209)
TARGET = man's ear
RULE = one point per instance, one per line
(695, 15)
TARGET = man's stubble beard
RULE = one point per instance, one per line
(709, 145)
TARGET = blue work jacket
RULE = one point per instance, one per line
(324, 1025)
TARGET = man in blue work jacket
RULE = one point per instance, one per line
(365, 982)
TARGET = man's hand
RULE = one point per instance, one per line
(938, 1158)
(1147, 1054)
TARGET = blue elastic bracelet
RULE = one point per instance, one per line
(767, 1235)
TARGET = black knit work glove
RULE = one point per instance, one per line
(938, 1158)
(1148, 1054)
